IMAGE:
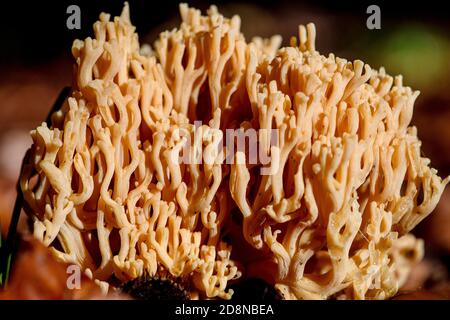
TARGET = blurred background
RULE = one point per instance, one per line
(414, 40)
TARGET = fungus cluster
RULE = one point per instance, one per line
(332, 221)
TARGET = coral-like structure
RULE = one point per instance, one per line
(106, 190)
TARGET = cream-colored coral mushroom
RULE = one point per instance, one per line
(331, 220)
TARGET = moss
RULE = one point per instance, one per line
(162, 286)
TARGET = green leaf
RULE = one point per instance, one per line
(1, 271)
(8, 267)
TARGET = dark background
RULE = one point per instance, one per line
(35, 31)
(414, 40)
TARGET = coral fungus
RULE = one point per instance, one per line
(331, 220)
